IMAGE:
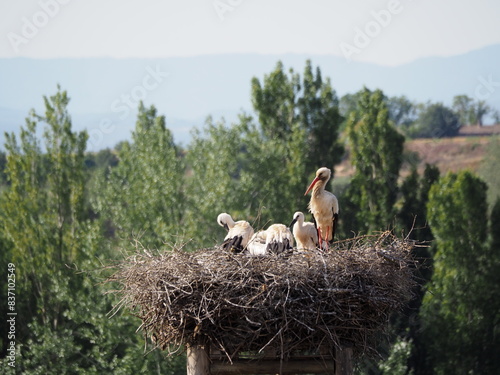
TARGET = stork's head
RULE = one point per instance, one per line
(322, 176)
(297, 217)
(225, 220)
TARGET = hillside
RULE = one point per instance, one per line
(450, 154)
(465, 151)
(187, 89)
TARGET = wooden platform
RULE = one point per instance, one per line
(209, 361)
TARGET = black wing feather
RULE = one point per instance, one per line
(233, 244)
(334, 225)
(279, 247)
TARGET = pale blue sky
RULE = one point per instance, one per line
(389, 32)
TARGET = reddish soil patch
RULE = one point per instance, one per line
(449, 154)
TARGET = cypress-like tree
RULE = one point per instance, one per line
(459, 312)
(376, 152)
(286, 104)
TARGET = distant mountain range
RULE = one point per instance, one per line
(104, 92)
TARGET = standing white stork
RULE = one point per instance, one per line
(238, 235)
(275, 239)
(305, 233)
(323, 206)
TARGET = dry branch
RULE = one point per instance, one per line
(298, 301)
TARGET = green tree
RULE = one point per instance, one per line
(250, 176)
(460, 311)
(286, 105)
(142, 196)
(348, 104)
(413, 206)
(319, 117)
(275, 175)
(102, 159)
(435, 121)
(62, 325)
(275, 101)
(488, 170)
(3, 163)
(481, 109)
(43, 208)
(495, 224)
(44, 225)
(260, 171)
(413, 217)
(462, 105)
(470, 112)
(213, 182)
(376, 152)
(402, 112)
(396, 363)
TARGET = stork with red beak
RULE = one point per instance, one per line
(323, 206)
(238, 233)
(305, 233)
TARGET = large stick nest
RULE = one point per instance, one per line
(287, 302)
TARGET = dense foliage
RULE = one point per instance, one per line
(65, 214)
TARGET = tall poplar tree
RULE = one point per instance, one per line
(142, 197)
(460, 311)
(213, 182)
(46, 228)
(376, 150)
(44, 206)
(286, 104)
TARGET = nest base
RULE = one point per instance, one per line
(203, 361)
(288, 303)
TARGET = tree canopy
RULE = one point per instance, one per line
(65, 214)
(460, 302)
(376, 150)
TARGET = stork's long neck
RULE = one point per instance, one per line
(230, 223)
(319, 188)
(300, 222)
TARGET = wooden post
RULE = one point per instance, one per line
(198, 362)
(343, 361)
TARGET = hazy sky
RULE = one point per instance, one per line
(389, 32)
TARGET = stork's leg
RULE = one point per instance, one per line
(319, 238)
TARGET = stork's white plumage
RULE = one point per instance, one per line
(275, 239)
(238, 235)
(278, 238)
(257, 244)
(324, 207)
(305, 233)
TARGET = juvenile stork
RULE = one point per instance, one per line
(257, 244)
(238, 233)
(279, 238)
(305, 233)
(323, 206)
(275, 239)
